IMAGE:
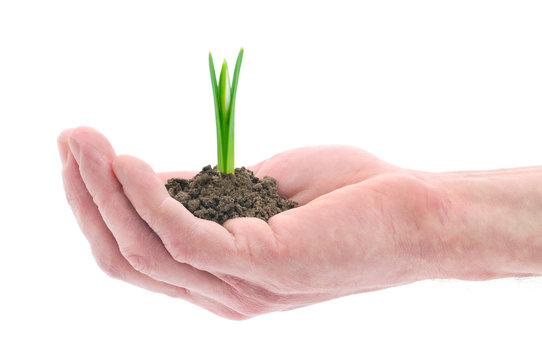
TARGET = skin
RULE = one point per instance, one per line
(362, 225)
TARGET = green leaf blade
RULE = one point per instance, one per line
(224, 101)
(231, 115)
(224, 91)
(219, 133)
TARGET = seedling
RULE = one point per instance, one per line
(214, 194)
(224, 98)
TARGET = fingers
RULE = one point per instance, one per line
(139, 245)
(106, 249)
(203, 244)
(103, 244)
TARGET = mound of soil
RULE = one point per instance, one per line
(219, 197)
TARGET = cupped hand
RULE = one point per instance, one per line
(361, 225)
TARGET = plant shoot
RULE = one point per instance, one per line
(224, 99)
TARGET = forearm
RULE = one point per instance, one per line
(492, 224)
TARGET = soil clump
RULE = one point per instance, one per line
(219, 197)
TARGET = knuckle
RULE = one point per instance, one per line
(147, 214)
(177, 292)
(103, 198)
(177, 250)
(152, 214)
(109, 266)
(142, 264)
(247, 302)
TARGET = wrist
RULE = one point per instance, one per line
(492, 225)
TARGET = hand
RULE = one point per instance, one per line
(361, 225)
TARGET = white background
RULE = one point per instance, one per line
(430, 85)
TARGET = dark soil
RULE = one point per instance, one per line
(219, 197)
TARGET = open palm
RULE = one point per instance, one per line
(357, 228)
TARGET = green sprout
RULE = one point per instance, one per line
(224, 97)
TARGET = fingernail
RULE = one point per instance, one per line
(118, 169)
(74, 147)
(63, 148)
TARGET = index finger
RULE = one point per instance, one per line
(201, 243)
